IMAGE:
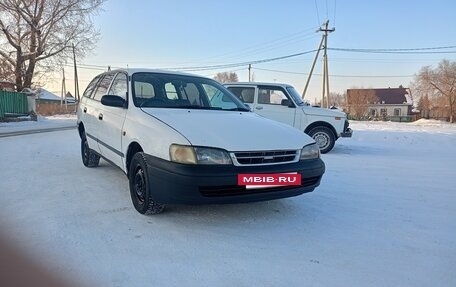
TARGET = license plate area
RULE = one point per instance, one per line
(270, 180)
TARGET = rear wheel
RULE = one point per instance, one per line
(324, 137)
(89, 157)
(140, 187)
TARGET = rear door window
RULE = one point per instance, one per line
(89, 90)
(103, 87)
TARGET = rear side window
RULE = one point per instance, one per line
(171, 92)
(245, 94)
(88, 91)
(103, 87)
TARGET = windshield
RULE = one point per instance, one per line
(158, 90)
(295, 95)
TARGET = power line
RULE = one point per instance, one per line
(245, 63)
(266, 45)
(207, 67)
(338, 76)
(425, 50)
(222, 66)
(229, 71)
(273, 46)
(79, 66)
(318, 14)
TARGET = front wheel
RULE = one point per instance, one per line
(140, 187)
(324, 137)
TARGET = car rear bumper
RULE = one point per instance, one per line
(173, 183)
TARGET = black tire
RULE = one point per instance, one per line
(89, 157)
(140, 187)
(324, 137)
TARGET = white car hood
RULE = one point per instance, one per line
(232, 131)
(323, 112)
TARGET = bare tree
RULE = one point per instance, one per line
(337, 100)
(424, 105)
(439, 84)
(358, 101)
(226, 77)
(37, 35)
(6, 70)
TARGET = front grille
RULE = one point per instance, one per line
(265, 157)
(232, 190)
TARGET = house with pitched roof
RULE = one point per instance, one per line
(383, 104)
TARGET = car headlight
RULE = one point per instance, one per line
(310, 152)
(198, 155)
(182, 154)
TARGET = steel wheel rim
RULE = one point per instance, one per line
(140, 185)
(322, 139)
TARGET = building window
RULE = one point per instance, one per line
(383, 112)
(397, 112)
(373, 112)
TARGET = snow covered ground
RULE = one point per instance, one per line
(384, 215)
(57, 121)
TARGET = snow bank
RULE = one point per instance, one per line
(56, 121)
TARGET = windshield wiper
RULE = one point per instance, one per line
(238, 109)
(196, 107)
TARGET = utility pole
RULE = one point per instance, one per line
(63, 91)
(76, 80)
(250, 72)
(323, 45)
(313, 66)
(325, 63)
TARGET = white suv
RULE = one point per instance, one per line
(185, 139)
(281, 102)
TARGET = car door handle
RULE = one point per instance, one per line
(100, 116)
(259, 107)
(85, 109)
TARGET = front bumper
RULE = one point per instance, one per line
(174, 183)
(347, 133)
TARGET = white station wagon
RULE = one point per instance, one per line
(185, 139)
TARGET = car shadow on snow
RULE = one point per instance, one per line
(355, 150)
(265, 211)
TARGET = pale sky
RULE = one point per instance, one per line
(175, 34)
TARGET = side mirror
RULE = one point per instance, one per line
(113, 101)
(287, 103)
